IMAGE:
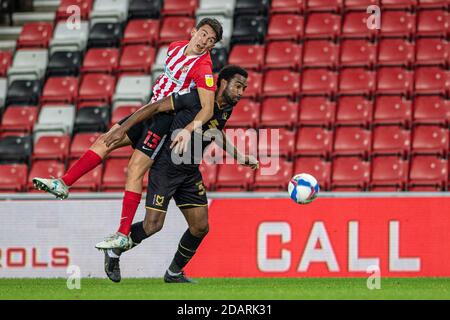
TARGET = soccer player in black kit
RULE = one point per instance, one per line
(183, 181)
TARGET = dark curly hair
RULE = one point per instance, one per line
(228, 72)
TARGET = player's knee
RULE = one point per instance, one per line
(152, 225)
(199, 230)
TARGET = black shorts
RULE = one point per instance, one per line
(148, 136)
(183, 183)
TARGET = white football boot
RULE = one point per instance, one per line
(115, 241)
(57, 187)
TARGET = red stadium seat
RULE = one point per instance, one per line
(45, 169)
(283, 54)
(391, 140)
(13, 177)
(393, 110)
(121, 112)
(81, 142)
(234, 177)
(60, 90)
(323, 25)
(427, 4)
(183, 8)
(137, 58)
(352, 141)
(247, 56)
(273, 174)
(356, 81)
(84, 6)
(287, 6)
(6, 58)
(350, 174)
(389, 171)
(89, 182)
(115, 175)
(433, 23)
(35, 35)
(359, 4)
(254, 85)
(281, 83)
(431, 80)
(395, 52)
(355, 111)
(245, 114)
(102, 60)
(285, 146)
(358, 53)
(398, 24)
(355, 26)
(320, 53)
(97, 87)
(175, 29)
(285, 27)
(324, 5)
(279, 112)
(395, 80)
(19, 118)
(428, 171)
(432, 52)
(399, 4)
(209, 175)
(319, 82)
(141, 31)
(51, 148)
(317, 167)
(316, 111)
(430, 140)
(431, 110)
(314, 142)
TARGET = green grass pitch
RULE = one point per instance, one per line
(228, 289)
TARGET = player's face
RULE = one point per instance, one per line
(235, 89)
(202, 39)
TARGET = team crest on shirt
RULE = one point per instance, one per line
(209, 79)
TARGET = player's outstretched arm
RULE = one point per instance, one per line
(245, 160)
(145, 112)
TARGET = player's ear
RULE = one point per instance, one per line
(193, 31)
(223, 84)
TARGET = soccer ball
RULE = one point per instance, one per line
(303, 188)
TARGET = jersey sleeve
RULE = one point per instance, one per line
(204, 77)
(185, 99)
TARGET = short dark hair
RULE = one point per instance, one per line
(214, 24)
(228, 72)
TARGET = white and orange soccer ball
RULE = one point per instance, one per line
(303, 188)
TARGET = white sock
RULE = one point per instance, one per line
(111, 253)
(173, 273)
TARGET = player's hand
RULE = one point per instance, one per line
(250, 161)
(113, 137)
(181, 141)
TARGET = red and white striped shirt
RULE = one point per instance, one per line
(182, 72)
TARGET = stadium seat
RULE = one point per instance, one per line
(51, 148)
(431, 4)
(19, 118)
(248, 7)
(324, 5)
(283, 54)
(281, 83)
(85, 7)
(431, 110)
(141, 31)
(320, 53)
(356, 81)
(137, 58)
(105, 34)
(16, 149)
(219, 57)
(389, 171)
(314, 141)
(268, 147)
(209, 175)
(287, 6)
(114, 175)
(245, 114)
(81, 142)
(101, 60)
(358, 53)
(132, 90)
(35, 35)
(13, 177)
(3, 93)
(405, 5)
(352, 141)
(175, 29)
(28, 64)
(6, 58)
(323, 25)
(319, 82)
(179, 8)
(428, 171)
(431, 80)
(109, 11)
(398, 24)
(433, 23)
(432, 140)
(350, 174)
(316, 111)
(392, 110)
(123, 111)
(60, 90)
(234, 177)
(317, 167)
(359, 5)
(92, 119)
(97, 87)
(158, 66)
(64, 63)
(395, 52)
(45, 169)
(247, 56)
(279, 112)
(150, 9)
(249, 29)
(89, 182)
(66, 39)
(285, 27)
(430, 52)
(273, 174)
(355, 26)
(254, 85)
(391, 140)
(214, 7)
(395, 80)
(23, 92)
(354, 111)
(53, 118)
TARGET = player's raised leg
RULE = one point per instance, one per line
(88, 161)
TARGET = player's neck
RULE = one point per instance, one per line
(188, 52)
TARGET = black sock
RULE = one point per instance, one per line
(137, 232)
(186, 250)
